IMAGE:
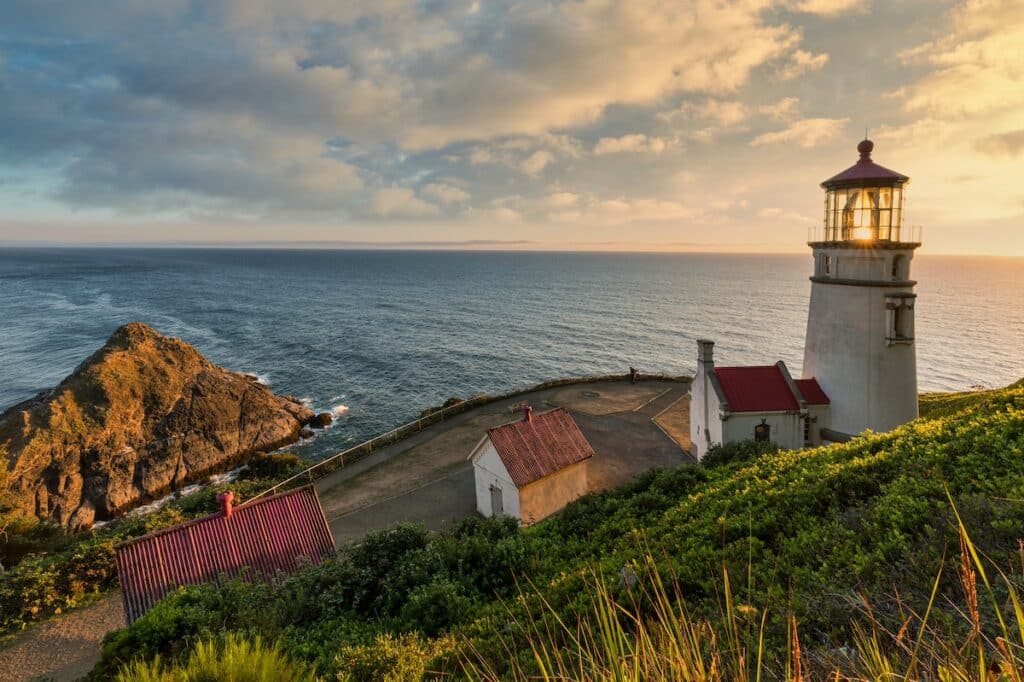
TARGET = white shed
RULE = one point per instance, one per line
(531, 468)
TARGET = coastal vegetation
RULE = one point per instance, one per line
(232, 658)
(49, 571)
(896, 552)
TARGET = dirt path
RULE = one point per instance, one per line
(65, 648)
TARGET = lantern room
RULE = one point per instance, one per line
(864, 204)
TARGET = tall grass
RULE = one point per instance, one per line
(233, 659)
(645, 634)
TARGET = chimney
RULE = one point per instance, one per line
(527, 413)
(224, 500)
(706, 353)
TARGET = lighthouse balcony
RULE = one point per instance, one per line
(868, 236)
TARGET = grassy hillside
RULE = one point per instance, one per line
(825, 541)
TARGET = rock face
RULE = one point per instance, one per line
(143, 415)
(321, 421)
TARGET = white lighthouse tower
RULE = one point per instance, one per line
(860, 326)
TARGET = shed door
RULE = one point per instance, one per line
(497, 508)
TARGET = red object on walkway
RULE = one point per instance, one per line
(258, 540)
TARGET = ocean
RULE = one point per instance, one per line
(388, 333)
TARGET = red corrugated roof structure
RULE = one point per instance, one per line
(539, 445)
(756, 389)
(260, 539)
(767, 388)
(812, 392)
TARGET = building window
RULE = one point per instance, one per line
(827, 267)
(762, 433)
(807, 430)
(897, 267)
(901, 320)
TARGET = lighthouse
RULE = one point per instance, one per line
(860, 324)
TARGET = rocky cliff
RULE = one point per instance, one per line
(143, 415)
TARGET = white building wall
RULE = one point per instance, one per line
(489, 470)
(787, 428)
(705, 408)
(819, 416)
(870, 378)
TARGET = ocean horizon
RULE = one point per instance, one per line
(386, 333)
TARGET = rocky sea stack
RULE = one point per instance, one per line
(140, 417)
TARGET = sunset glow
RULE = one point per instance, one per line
(643, 126)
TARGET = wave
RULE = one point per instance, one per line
(263, 379)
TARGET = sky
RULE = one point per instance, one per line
(687, 125)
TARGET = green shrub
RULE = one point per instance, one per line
(275, 466)
(434, 607)
(402, 658)
(720, 454)
(233, 659)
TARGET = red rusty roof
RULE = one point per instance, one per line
(756, 389)
(258, 540)
(535, 448)
(812, 392)
(864, 171)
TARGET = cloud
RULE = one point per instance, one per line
(780, 215)
(590, 209)
(975, 65)
(800, 62)
(1008, 144)
(444, 193)
(271, 113)
(828, 7)
(536, 162)
(722, 112)
(527, 154)
(783, 109)
(805, 133)
(399, 202)
(636, 143)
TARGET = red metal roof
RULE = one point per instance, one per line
(812, 391)
(756, 389)
(864, 171)
(548, 442)
(258, 540)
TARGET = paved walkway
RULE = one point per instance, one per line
(427, 479)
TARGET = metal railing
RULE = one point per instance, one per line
(900, 234)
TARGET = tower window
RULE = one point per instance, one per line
(901, 320)
(827, 266)
(762, 432)
(897, 267)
